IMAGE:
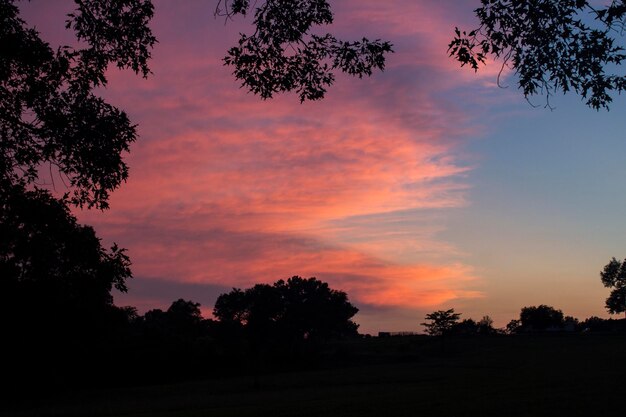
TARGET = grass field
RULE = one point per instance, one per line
(549, 375)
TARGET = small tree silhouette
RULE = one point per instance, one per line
(614, 276)
(441, 322)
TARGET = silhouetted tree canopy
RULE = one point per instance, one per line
(283, 54)
(614, 276)
(57, 314)
(184, 311)
(464, 327)
(467, 327)
(514, 326)
(55, 276)
(443, 321)
(552, 46)
(540, 317)
(49, 116)
(183, 320)
(53, 265)
(297, 309)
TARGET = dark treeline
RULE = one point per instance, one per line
(542, 319)
(60, 327)
(259, 330)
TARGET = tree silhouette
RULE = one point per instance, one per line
(550, 46)
(541, 317)
(296, 310)
(51, 117)
(514, 326)
(442, 321)
(284, 54)
(482, 327)
(182, 321)
(464, 327)
(614, 276)
(485, 326)
(183, 311)
(53, 264)
(55, 279)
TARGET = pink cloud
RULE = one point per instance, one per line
(228, 190)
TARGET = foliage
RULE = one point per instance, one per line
(464, 327)
(485, 325)
(514, 326)
(541, 317)
(49, 116)
(614, 276)
(182, 321)
(441, 322)
(570, 323)
(549, 45)
(297, 309)
(52, 263)
(55, 276)
(283, 54)
(57, 312)
(183, 311)
(597, 324)
(470, 327)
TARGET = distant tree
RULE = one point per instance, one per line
(183, 319)
(592, 323)
(570, 323)
(597, 324)
(485, 326)
(441, 322)
(464, 327)
(541, 317)
(472, 327)
(514, 326)
(614, 276)
(551, 46)
(184, 311)
(297, 309)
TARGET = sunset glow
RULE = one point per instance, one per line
(410, 190)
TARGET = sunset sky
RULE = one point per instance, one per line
(423, 187)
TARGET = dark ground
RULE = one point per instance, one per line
(525, 375)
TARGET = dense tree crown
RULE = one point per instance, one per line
(297, 309)
(552, 45)
(53, 265)
(614, 276)
(49, 116)
(541, 317)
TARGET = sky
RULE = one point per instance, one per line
(424, 187)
